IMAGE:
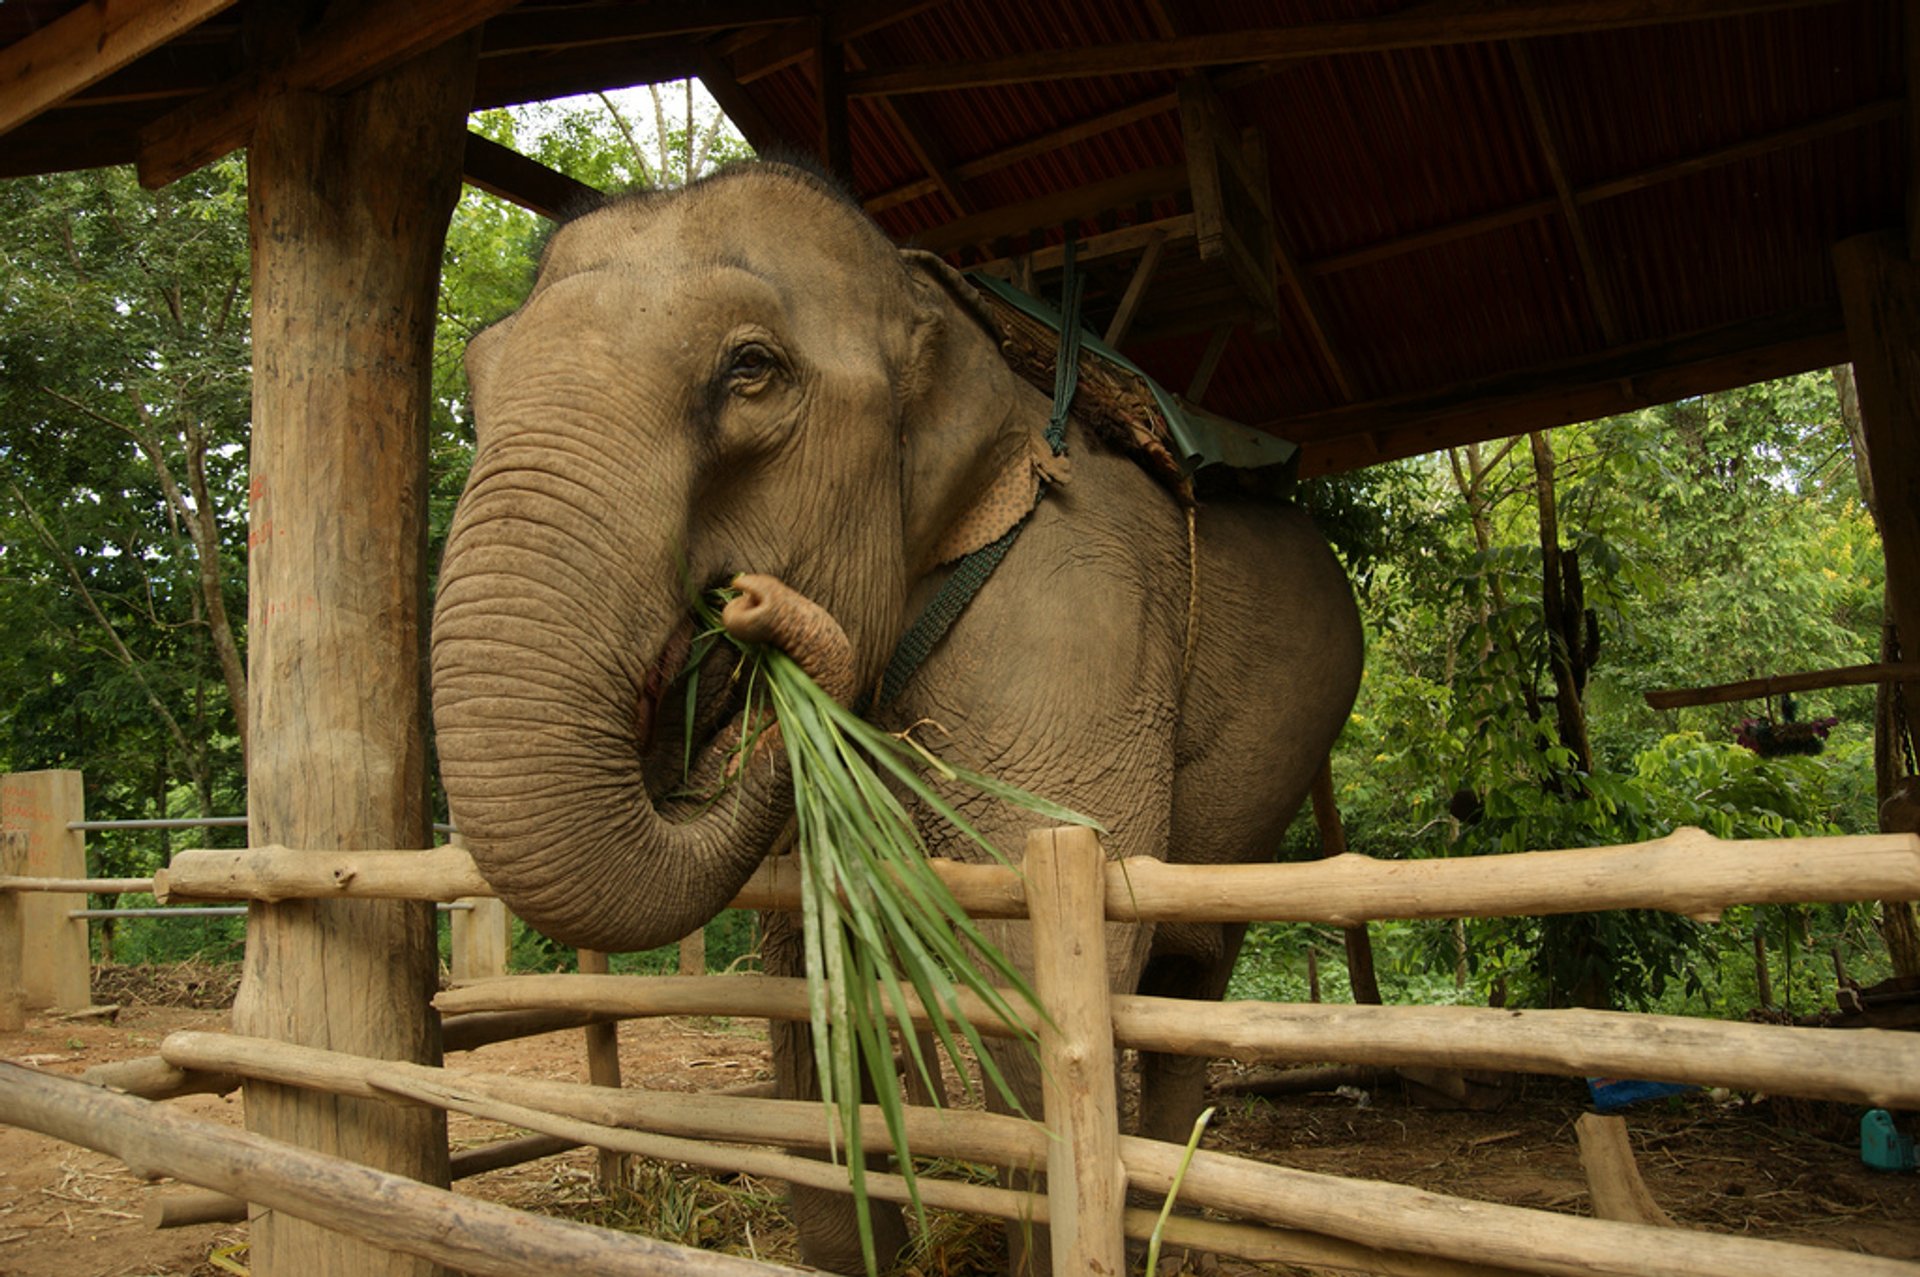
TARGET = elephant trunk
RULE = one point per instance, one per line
(543, 722)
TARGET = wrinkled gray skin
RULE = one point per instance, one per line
(747, 377)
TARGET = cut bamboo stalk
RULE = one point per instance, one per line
(387, 1210)
(1688, 872)
(1086, 1185)
(1613, 1178)
(1389, 1216)
(186, 1207)
(1809, 681)
(1876, 1066)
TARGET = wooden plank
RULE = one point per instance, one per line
(1435, 23)
(86, 45)
(502, 171)
(1086, 1184)
(54, 969)
(290, 1183)
(1757, 688)
(349, 197)
(1050, 211)
(1603, 385)
(345, 50)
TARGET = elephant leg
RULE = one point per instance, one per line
(1189, 961)
(827, 1221)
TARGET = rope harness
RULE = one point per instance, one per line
(972, 571)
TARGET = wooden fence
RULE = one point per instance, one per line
(1069, 889)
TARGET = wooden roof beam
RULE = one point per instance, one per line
(86, 45)
(1623, 379)
(910, 122)
(754, 124)
(1485, 223)
(1430, 24)
(1597, 296)
(536, 29)
(345, 50)
(504, 172)
(1075, 204)
(783, 49)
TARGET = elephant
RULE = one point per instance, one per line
(747, 376)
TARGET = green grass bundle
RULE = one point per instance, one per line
(877, 920)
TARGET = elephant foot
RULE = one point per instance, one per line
(830, 1231)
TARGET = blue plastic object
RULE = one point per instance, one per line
(1611, 1093)
(1881, 1146)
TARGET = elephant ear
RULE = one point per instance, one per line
(977, 461)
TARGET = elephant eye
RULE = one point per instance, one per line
(750, 366)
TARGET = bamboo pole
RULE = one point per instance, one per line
(1811, 680)
(1387, 1217)
(1688, 871)
(1871, 1066)
(389, 1211)
(1086, 1185)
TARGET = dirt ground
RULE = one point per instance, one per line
(1782, 1171)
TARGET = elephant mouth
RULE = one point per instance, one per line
(690, 719)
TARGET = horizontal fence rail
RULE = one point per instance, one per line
(1877, 1067)
(1392, 1217)
(1689, 872)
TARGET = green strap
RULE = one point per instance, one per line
(968, 575)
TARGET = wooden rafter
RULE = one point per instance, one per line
(910, 122)
(537, 77)
(1431, 24)
(1136, 289)
(781, 49)
(544, 28)
(1597, 295)
(1623, 379)
(1114, 243)
(502, 171)
(1051, 210)
(345, 50)
(86, 45)
(754, 125)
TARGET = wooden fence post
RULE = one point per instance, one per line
(1086, 1183)
(603, 1069)
(55, 967)
(481, 935)
(13, 997)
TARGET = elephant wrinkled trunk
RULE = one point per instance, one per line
(549, 786)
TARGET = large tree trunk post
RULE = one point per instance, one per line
(1880, 295)
(349, 201)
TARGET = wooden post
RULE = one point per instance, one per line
(1361, 977)
(54, 964)
(1613, 1178)
(481, 938)
(1086, 1183)
(693, 952)
(603, 1069)
(13, 995)
(349, 197)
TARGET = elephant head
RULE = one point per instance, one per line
(741, 377)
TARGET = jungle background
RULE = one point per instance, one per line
(1519, 598)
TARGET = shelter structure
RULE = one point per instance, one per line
(1372, 228)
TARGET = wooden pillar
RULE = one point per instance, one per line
(482, 937)
(55, 967)
(1086, 1182)
(13, 995)
(1880, 296)
(349, 198)
(830, 75)
(603, 1069)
